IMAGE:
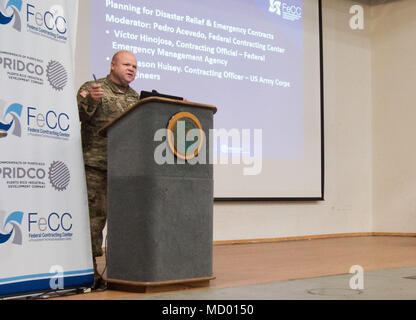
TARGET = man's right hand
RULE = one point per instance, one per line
(96, 91)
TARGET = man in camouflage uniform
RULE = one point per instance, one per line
(99, 102)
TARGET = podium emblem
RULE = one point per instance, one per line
(185, 135)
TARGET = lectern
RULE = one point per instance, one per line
(160, 195)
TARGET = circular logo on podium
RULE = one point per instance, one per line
(185, 135)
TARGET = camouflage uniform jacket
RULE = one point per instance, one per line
(96, 114)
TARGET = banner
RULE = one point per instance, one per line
(44, 226)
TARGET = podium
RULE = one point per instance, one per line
(160, 216)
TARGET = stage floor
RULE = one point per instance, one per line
(388, 284)
(243, 269)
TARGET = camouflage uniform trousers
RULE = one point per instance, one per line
(97, 202)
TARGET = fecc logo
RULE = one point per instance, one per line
(10, 12)
(51, 226)
(41, 123)
(286, 10)
(275, 7)
(38, 19)
(10, 227)
(10, 119)
(51, 19)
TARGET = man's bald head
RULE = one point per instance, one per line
(121, 53)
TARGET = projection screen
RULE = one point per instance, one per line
(257, 61)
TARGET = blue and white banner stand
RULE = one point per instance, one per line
(44, 226)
